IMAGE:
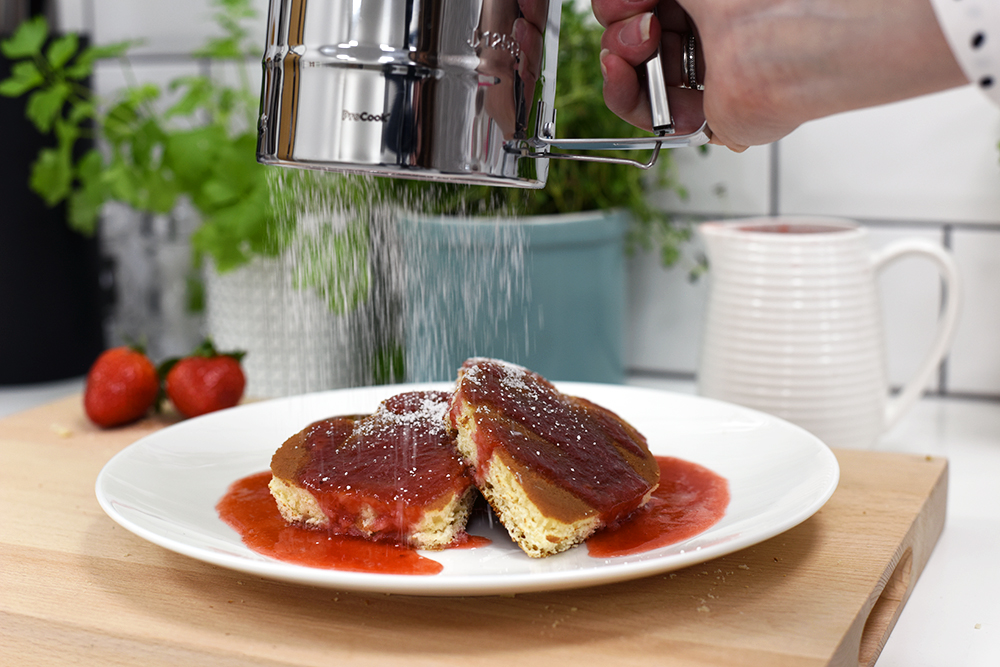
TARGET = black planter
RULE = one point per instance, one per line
(50, 299)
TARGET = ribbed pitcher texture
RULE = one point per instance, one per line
(794, 324)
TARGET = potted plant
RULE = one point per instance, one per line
(558, 253)
(200, 148)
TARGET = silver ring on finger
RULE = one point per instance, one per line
(689, 64)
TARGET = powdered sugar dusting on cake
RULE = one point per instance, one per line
(426, 409)
(513, 378)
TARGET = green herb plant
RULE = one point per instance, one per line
(196, 139)
(201, 146)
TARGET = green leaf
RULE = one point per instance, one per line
(197, 96)
(195, 293)
(128, 120)
(146, 140)
(45, 105)
(233, 175)
(222, 48)
(217, 192)
(113, 50)
(119, 120)
(84, 210)
(219, 242)
(190, 154)
(90, 167)
(83, 66)
(62, 49)
(160, 192)
(51, 175)
(237, 9)
(79, 70)
(24, 76)
(81, 110)
(66, 134)
(28, 40)
(121, 182)
(228, 100)
(231, 234)
(143, 94)
(229, 17)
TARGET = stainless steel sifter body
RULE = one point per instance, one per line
(455, 90)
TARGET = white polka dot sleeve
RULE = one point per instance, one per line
(972, 28)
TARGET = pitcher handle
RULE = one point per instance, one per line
(942, 259)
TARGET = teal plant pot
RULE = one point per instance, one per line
(546, 292)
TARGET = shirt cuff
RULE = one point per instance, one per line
(972, 28)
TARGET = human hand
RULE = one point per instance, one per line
(770, 65)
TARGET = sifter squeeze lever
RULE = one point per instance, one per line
(663, 122)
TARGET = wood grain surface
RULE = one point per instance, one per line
(75, 588)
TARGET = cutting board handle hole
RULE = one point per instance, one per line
(885, 611)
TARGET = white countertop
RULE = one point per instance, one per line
(953, 615)
(952, 618)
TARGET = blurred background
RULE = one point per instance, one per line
(928, 167)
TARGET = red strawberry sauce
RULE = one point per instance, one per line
(689, 500)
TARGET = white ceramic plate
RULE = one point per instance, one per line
(164, 488)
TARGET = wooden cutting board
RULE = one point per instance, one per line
(77, 588)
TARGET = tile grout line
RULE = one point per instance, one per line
(90, 16)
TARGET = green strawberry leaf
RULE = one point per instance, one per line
(164, 367)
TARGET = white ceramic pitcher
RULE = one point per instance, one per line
(794, 324)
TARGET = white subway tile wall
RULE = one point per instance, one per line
(930, 159)
(974, 364)
(665, 315)
(717, 182)
(928, 167)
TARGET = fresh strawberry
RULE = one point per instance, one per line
(205, 381)
(122, 386)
